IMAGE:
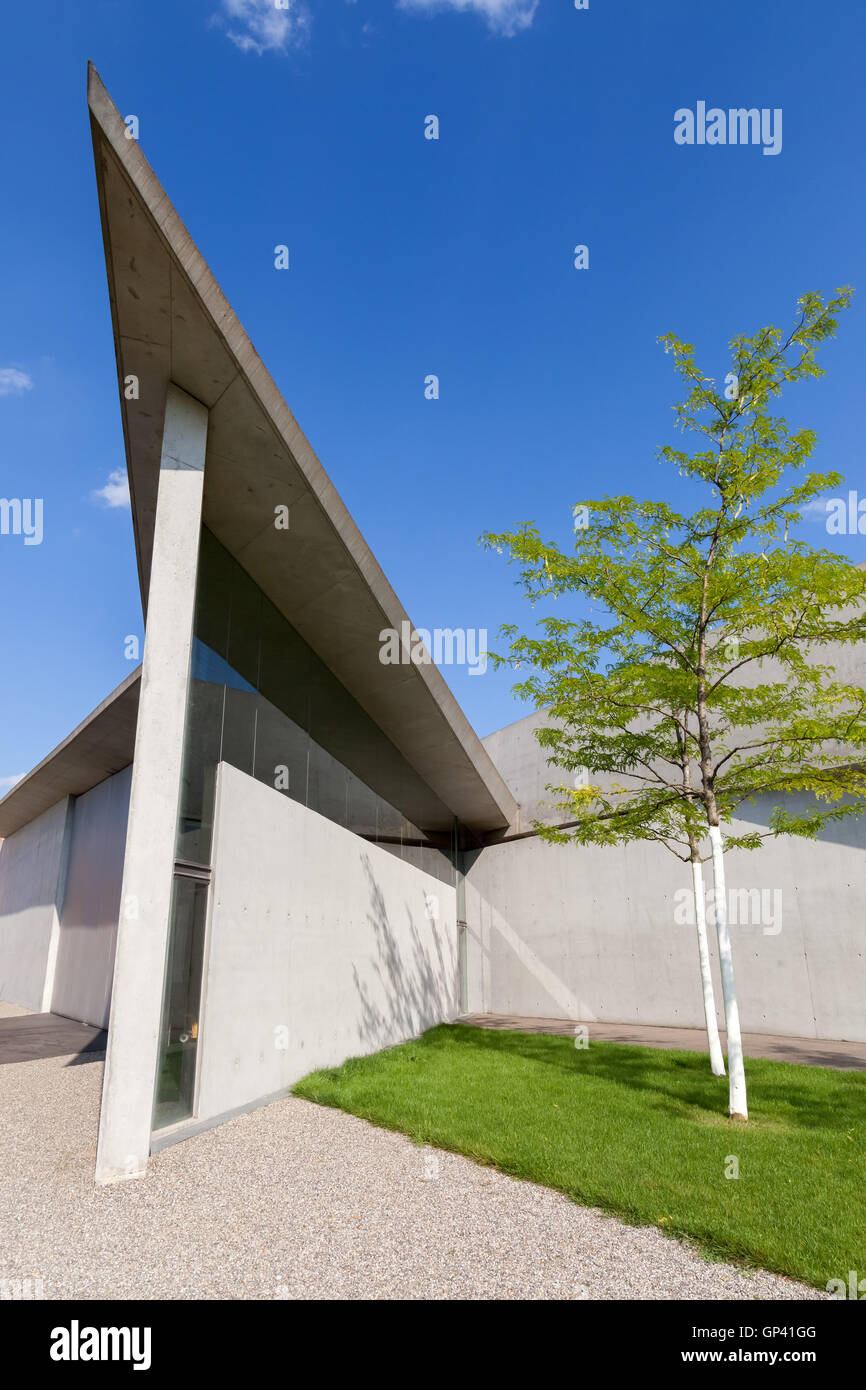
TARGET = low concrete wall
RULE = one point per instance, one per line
(592, 933)
(320, 947)
(91, 902)
(32, 866)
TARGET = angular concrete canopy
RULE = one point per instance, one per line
(102, 744)
(173, 323)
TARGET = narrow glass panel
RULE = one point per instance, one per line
(213, 594)
(239, 728)
(181, 1001)
(245, 626)
(201, 753)
(327, 785)
(282, 752)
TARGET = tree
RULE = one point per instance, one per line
(626, 733)
(705, 652)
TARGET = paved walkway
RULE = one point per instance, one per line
(298, 1201)
(12, 1010)
(816, 1052)
(25, 1037)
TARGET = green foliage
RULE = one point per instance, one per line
(706, 649)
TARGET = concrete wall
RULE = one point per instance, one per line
(319, 947)
(32, 864)
(91, 902)
(59, 898)
(516, 752)
(591, 933)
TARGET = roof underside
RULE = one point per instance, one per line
(172, 323)
(100, 746)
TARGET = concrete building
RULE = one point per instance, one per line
(266, 850)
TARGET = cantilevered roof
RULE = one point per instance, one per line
(173, 323)
(101, 745)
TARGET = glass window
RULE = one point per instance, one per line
(262, 700)
(181, 1001)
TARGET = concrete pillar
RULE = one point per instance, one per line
(145, 904)
(57, 907)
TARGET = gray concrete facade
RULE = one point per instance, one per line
(91, 902)
(320, 947)
(59, 896)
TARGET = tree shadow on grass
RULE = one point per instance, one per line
(681, 1083)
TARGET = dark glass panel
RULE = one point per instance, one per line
(363, 809)
(245, 623)
(239, 728)
(327, 785)
(202, 745)
(261, 700)
(282, 752)
(285, 664)
(181, 999)
(213, 594)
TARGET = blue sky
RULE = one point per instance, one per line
(305, 126)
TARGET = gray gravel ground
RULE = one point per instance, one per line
(296, 1201)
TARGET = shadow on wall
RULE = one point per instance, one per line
(416, 971)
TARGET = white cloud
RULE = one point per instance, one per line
(264, 26)
(507, 17)
(7, 782)
(13, 382)
(816, 510)
(115, 493)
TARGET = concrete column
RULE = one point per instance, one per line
(476, 946)
(145, 904)
(57, 908)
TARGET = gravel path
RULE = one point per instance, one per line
(296, 1201)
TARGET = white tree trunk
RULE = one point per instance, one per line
(737, 1104)
(717, 1061)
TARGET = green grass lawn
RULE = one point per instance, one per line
(640, 1132)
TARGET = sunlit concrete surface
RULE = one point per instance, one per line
(13, 1010)
(151, 832)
